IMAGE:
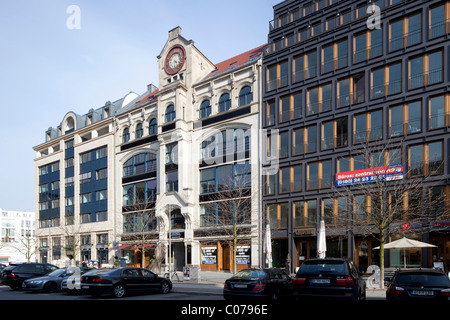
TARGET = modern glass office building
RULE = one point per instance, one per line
(351, 86)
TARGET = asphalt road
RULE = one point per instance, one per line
(6, 293)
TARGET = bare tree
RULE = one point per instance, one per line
(26, 245)
(140, 223)
(229, 210)
(387, 195)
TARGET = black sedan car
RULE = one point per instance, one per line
(256, 283)
(14, 276)
(52, 282)
(419, 284)
(119, 282)
(329, 278)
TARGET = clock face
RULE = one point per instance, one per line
(174, 60)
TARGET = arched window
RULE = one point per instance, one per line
(245, 96)
(126, 135)
(205, 109)
(224, 102)
(153, 126)
(170, 113)
(139, 131)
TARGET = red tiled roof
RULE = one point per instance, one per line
(236, 62)
(146, 98)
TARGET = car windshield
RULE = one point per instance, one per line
(57, 273)
(323, 267)
(251, 274)
(422, 279)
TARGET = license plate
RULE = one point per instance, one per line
(239, 286)
(84, 287)
(320, 281)
(422, 293)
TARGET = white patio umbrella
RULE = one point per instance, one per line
(321, 241)
(405, 243)
(268, 246)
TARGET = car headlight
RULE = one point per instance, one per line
(35, 281)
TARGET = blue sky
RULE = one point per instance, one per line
(47, 69)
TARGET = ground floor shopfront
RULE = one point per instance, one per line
(362, 249)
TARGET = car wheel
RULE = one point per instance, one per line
(165, 287)
(118, 290)
(50, 287)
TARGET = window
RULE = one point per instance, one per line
(439, 111)
(291, 107)
(245, 96)
(284, 144)
(386, 80)
(426, 159)
(368, 45)
(351, 90)
(290, 179)
(225, 178)
(170, 113)
(139, 164)
(172, 181)
(404, 119)
(425, 70)
(224, 102)
(368, 126)
(334, 56)
(318, 99)
(438, 20)
(335, 133)
(126, 135)
(277, 75)
(270, 118)
(172, 153)
(304, 140)
(153, 126)
(278, 215)
(405, 32)
(139, 131)
(319, 175)
(334, 211)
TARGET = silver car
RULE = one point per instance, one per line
(52, 281)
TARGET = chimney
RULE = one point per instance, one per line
(151, 87)
(174, 33)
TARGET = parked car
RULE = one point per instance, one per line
(50, 282)
(119, 282)
(419, 284)
(75, 280)
(14, 276)
(329, 278)
(258, 283)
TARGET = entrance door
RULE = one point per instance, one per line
(178, 253)
(226, 258)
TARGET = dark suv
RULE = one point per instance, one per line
(14, 276)
(329, 278)
(419, 284)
